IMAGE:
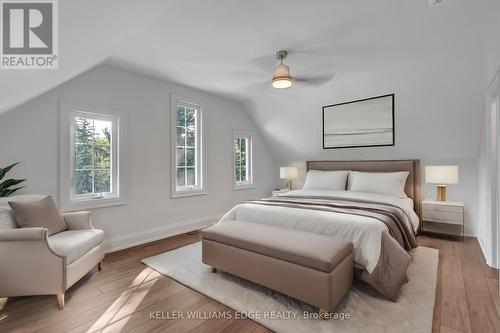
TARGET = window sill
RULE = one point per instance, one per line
(243, 187)
(92, 204)
(184, 194)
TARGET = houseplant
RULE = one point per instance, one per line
(7, 186)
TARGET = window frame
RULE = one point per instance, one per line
(250, 183)
(68, 199)
(200, 152)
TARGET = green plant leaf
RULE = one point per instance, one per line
(3, 171)
(5, 186)
(10, 182)
(7, 192)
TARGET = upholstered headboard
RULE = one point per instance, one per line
(412, 188)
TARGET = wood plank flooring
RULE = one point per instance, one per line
(121, 297)
(467, 292)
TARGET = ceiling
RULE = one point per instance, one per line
(218, 45)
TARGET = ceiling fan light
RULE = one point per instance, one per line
(281, 77)
(282, 82)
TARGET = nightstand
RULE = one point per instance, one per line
(275, 193)
(443, 217)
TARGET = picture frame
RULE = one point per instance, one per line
(367, 122)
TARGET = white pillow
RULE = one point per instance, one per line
(388, 183)
(326, 180)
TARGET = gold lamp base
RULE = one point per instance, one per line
(289, 184)
(441, 193)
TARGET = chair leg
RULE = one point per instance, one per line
(214, 270)
(99, 265)
(60, 300)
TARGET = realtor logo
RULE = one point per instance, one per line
(29, 34)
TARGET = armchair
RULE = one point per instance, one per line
(33, 263)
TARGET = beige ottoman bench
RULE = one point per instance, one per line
(316, 269)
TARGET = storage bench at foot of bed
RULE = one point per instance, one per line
(316, 269)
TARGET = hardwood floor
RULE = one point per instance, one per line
(467, 298)
(121, 297)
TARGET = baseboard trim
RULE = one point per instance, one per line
(132, 239)
(487, 256)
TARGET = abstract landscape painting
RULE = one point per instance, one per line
(364, 123)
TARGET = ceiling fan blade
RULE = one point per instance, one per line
(265, 63)
(313, 51)
(318, 69)
(298, 61)
(315, 80)
(259, 87)
(249, 76)
(295, 57)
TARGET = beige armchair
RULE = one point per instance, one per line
(32, 263)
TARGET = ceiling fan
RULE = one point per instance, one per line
(281, 75)
(282, 78)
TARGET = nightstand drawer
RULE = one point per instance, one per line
(444, 217)
(454, 222)
(442, 208)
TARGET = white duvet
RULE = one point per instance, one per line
(363, 232)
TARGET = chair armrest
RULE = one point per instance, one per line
(28, 265)
(28, 234)
(23, 234)
(78, 220)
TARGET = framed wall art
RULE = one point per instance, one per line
(363, 123)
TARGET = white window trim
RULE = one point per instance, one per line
(251, 183)
(66, 201)
(202, 154)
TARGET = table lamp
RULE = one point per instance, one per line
(441, 175)
(289, 173)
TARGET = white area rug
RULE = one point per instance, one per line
(368, 312)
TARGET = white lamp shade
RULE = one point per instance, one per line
(289, 172)
(441, 174)
(281, 77)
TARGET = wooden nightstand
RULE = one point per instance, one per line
(443, 217)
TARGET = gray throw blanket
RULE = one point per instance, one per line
(390, 273)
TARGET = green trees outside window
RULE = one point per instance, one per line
(186, 147)
(241, 159)
(93, 151)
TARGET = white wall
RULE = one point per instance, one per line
(30, 133)
(493, 51)
(438, 100)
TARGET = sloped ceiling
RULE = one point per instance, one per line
(219, 45)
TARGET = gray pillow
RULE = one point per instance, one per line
(43, 213)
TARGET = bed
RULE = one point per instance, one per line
(381, 227)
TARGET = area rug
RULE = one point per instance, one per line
(362, 310)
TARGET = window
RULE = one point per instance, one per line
(242, 147)
(188, 177)
(90, 158)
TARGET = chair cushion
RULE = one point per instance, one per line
(7, 220)
(312, 250)
(73, 244)
(35, 214)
